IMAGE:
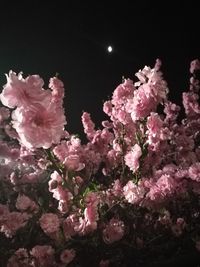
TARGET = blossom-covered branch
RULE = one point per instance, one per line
(132, 188)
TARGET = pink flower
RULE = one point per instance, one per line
(194, 66)
(154, 125)
(114, 231)
(194, 172)
(91, 216)
(13, 221)
(40, 126)
(132, 157)
(61, 150)
(92, 198)
(88, 125)
(61, 193)
(55, 84)
(163, 188)
(152, 90)
(56, 177)
(57, 87)
(72, 162)
(156, 133)
(20, 92)
(20, 258)
(49, 222)
(67, 256)
(133, 193)
(68, 225)
(24, 203)
(44, 255)
(171, 110)
(153, 77)
(63, 206)
(191, 104)
(143, 103)
(122, 92)
(117, 188)
(39, 117)
(107, 108)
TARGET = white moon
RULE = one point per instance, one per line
(110, 49)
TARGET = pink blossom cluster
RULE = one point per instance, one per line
(136, 178)
(38, 116)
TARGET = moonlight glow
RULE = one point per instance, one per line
(110, 49)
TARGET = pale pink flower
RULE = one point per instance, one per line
(117, 188)
(107, 107)
(122, 116)
(63, 206)
(72, 162)
(61, 150)
(91, 216)
(143, 103)
(20, 92)
(88, 125)
(55, 83)
(153, 77)
(194, 172)
(20, 258)
(24, 203)
(133, 193)
(67, 256)
(44, 255)
(39, 127)
(152, 90)
(61, 193)
(163, 188)
(114, 231)
(122, 92)
(56, 177)
(132, 157)
(154, 125)
(156, 133)
(92, 198)
(171, 110)
(49, 222)
(194, 66)
(57, 87)
(82, 227)
(32, 177)
(68, 225)
(75, 142)
(191, 104)
(113, 158)
(13, 222)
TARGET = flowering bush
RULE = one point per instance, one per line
(131, 194)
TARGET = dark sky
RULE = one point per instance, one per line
(71, 39)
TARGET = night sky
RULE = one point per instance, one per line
(72, 39)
